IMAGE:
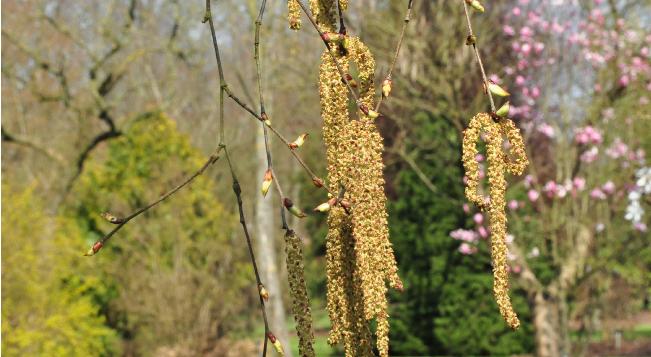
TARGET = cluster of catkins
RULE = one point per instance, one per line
(359, 257)
(499, 162)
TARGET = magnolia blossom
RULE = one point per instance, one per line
(640, 227)
(578, 183)
(599, 227)
(509, 238)
(464, 235)
(535, 252)
(551, 189)
(533, 195)
(643, 182)
(588, 135)
(598, 194)
(513, 205)
(546, 130)
(634, 212)
(617, 149)
(467, 249)
(483, 232)
(478, 218)
(590, 155)
(608, 187)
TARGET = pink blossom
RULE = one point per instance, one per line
(526, 49)
(608, 188)
(546, 130)
(517, 269)
(508, 30)
(578, 183)
(513, 205)
(519, 80)
(558, 28)
(597, 194)
(624, 80)
(479, 157)
(516, 11)
(539, 47)
(535, 92)
(639, 226)
(528, 180)
(464, 235)
(551, 189)
(561, 191)
(483, 232)
(478, 218)
(509, 238)
(590, 155)
(526, 31)
(617, 149)
(533, 195)
(466, 208)
(467, 249)
(587, 135)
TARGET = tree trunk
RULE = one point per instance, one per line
(547, 325)
(265, 228)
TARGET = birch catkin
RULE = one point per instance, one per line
(298, 291)
(359, 257)
(498, 164)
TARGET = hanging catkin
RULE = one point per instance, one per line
(359, 256)
(298, 291)
(498, 164)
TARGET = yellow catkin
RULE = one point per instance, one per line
(356, 278)
(298, 291)
(325, 14)
(498, 164)
(294, 14)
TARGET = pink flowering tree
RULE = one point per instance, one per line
(580, 80)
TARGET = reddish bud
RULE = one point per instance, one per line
(266, 183)
(96, 247)
(317, 182)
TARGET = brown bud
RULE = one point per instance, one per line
(264, 294)
(317, 182)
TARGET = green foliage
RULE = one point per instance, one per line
(177, 274)
(447, 306)
(46, 306)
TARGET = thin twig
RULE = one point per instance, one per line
(264, 119)
(123, 221)
(267, 146)
(236, 185)
(398, 46)
(481, 65)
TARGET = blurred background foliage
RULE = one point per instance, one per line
(109, 104)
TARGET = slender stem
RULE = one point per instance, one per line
(123, 221)
(236, 185)
(238, 194)
(398, 46)
(481, 65)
